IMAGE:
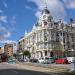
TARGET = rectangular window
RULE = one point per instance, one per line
(45, 53)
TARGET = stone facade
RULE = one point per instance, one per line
(49, 38)
(20, 45)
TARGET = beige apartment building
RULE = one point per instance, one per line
(8, 49)
(0, 50)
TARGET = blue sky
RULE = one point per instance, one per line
(18, 16)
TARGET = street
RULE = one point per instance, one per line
(19, 72)
(9, 69)
(12, 69)
(66, 66)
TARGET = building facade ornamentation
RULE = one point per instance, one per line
(49, 38)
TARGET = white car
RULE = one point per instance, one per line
(46, 60)
(70, 59)
(41, 60)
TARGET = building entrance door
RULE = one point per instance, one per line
(51, 54)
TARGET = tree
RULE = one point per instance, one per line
(26, 53)
(4, 57)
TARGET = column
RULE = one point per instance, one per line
(70, 40)
(43, 35)
(48, 53)
(43, 54)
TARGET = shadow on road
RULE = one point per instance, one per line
(66, 73)
(28, 72)
(20, 72)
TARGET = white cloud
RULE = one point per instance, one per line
(3, 19)
(7, 26)
(5, 5)
(38, 13)
(1, 11)
(70, 3)
(28, 7)
(13, 20)
(4, 33)
(55, 6)
(9, 41)
(12, 23)
(7, 34)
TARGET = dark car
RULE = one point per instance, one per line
(34, 60)
(20, 60)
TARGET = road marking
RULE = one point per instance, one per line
(53, 73)
(14, 71)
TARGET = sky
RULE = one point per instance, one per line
(18, 16)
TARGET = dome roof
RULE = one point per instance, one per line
(46, 11)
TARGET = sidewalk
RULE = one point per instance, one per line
(35, 67)
(27, 67)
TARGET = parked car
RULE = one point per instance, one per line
(46, 60)
(33, 60)
(70, 59)
(61, 61)
(41, 60)
(11, 61)
(20, 60)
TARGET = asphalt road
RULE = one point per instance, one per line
(20, 72)
(11, 69)
(8, 69)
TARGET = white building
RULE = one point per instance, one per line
(49, 38)
(20, 44)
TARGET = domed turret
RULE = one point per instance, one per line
(45, 17)
(46, 11)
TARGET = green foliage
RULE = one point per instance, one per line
(26, 53)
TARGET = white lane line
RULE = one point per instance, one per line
(53, 73)
(14, 71)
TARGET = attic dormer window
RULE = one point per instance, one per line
(45, 23)
(44, 16)
(50, 18)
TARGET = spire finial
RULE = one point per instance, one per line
(25, 32)
(45, 3)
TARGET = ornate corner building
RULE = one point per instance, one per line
(49, 38)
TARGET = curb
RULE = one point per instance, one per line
(54, 68)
